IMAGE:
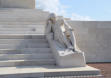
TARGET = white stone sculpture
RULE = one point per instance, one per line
(62, 32)
(62, 41)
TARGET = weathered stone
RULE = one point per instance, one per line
(17, 4)
(23, 43)
(94, 38)
(62, 41)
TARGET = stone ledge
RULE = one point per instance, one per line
(48, 71)
(30, 4)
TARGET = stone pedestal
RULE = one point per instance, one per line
(66, 58)
(30, 4)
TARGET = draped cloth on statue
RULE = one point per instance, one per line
(62, 33)
(63, 44)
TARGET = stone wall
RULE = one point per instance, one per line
(17, 4)
(94, 38)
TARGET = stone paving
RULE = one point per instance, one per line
(105, 69)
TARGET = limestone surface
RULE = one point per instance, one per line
(94, 38)
(62, 41)
(25, 51)
(47, 71)
(17, 4)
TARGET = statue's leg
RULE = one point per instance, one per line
(66, 42)
(49, 36)
(73, 41)
(72, 38)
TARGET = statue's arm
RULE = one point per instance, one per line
(68, 27)
(49, 33)
(48, 27)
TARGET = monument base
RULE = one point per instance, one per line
(30, 4)
(66, 58)
(47, 71)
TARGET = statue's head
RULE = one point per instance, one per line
(61, 21)
(52, 17)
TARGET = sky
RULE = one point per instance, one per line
(84, 10)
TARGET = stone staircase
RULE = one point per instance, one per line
(24, 50)
(22, 39)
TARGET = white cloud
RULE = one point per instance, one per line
(81, 18)
(56, 7)
(51, 5)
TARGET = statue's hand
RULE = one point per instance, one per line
(71, 29)
(70, 47)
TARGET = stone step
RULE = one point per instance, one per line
(23, 32)
(50, 71)
(25, 16)
(37, 29)
(23, 23)
(20, 9)
(19, 18)
(21, 46)
(11, 63)
(24, 12)
(23, 41)
(22, 36)
(21, 27)
(31, 20)
(22, 15)
(20, 12)
(25, 51)
(9, 10)
(25, 56)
